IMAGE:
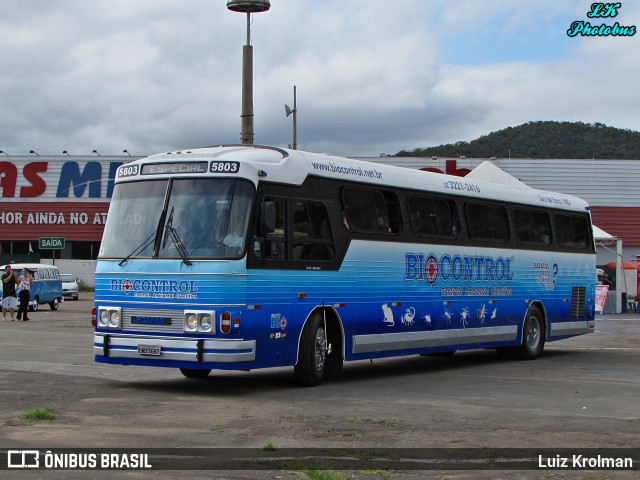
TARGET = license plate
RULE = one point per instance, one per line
(154, 350)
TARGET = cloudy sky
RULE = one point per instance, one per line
(372, 76)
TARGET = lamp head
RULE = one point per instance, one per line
(248, 6)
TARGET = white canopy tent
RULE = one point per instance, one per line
(606, 240)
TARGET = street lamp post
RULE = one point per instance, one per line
(248, 7)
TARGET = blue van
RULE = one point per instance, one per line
(46, 286)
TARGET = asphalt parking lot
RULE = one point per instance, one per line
(583, 393)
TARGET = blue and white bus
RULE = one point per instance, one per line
(247, 257)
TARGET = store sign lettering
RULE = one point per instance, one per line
(77, 180)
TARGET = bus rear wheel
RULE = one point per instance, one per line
(34, 305)
(195, 372)
(313, 353)
(533, 335)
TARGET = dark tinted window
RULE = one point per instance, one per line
(371, 210)
(431, 216)
(532, 226)
(270, 240)
(487, 222)
(572, 231)
(312, 239)
(305, 228)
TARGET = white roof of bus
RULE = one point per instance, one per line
(487, 181)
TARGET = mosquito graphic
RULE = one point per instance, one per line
(482, 314)
(464, 315)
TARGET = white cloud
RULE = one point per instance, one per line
(372, 76)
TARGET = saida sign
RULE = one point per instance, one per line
(51, 243)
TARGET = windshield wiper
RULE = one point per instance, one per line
(147, 241)
(170, 232)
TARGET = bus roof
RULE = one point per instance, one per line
(275, 164)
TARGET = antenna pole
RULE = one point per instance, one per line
(294, 142)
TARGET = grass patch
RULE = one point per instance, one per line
(323, 475)
(40, 414)
(269, 447)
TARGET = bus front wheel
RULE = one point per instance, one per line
(533, 335)
(195, 372)
(312, 356)
(34, 306)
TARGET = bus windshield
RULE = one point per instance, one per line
(183, 218)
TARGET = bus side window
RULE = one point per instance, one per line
(432, 216)
(572, 231)
(532, 226)
(312, 239)
(371, 210)
(487, 222)
(270, 241)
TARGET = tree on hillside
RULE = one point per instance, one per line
(543, 140)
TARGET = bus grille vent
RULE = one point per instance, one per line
(578, 300)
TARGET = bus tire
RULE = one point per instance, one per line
(54, 305)
(312, 355)
(34, 306)
(195, 372)
(533, 335)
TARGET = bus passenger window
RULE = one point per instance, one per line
(371, 210)
(312, 239)
(272, 244)
(487, 222)
(532, 226)
(432, 216)
(572, 231)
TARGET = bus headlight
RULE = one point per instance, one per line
(109, 317)
(205, 322)
(199, 321)
(103, 319)
(114, 319)
(190, 322)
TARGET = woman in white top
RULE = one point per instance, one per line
(24, 288)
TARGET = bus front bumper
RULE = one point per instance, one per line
(195, 350)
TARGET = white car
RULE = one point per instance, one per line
(69, 286)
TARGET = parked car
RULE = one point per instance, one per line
(46, 286)
(69, 286)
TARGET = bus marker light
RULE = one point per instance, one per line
(302, 295)
(339, 305)
(236, 323)
(93, 316)
(254, 307)
(225, 323)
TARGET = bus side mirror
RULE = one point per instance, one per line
(268, 215)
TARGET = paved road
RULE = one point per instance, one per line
(582, 393)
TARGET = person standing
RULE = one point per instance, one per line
(24, 291)
(9, 300)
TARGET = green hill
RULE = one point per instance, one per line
(543, 140)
